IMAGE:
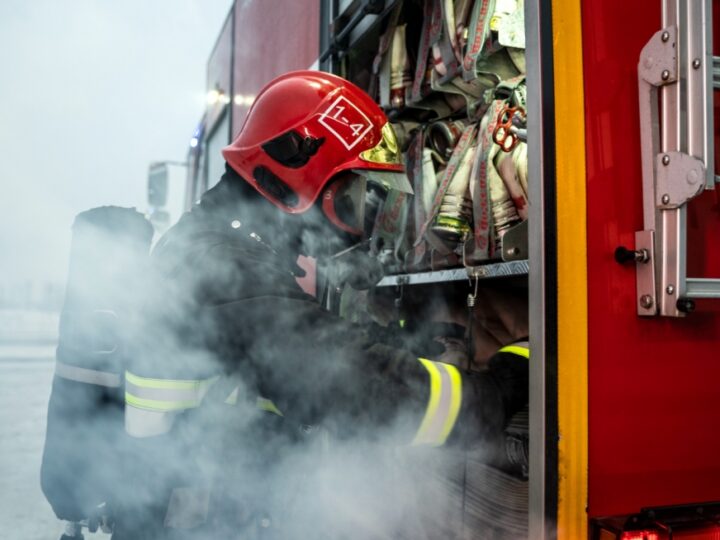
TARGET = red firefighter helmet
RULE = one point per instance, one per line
(303, 129)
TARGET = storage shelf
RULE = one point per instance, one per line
(485, 271)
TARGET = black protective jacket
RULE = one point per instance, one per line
(228, 304)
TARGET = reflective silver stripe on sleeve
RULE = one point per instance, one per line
(443, 403)
(87, 376)
(145, 423)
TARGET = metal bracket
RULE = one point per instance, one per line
(647, 304)
(514, 243)
(675, 83)
(678, 178)
(658, 59)
(485, 271)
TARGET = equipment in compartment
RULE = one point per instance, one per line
(450, 76)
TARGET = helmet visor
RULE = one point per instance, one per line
(348, 203)
(355, 200)
(387, 179)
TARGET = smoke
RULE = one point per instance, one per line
(88, 104)
(220, 303)
(90, 94)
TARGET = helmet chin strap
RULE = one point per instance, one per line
(359, 245)
(356, 267)
(345, 257)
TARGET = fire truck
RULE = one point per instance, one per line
(614, 262)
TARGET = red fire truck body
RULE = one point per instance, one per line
(652, 382)
(622, 405)
(258, 41)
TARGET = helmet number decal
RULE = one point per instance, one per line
(346, 122)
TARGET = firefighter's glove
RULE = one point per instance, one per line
(424, 341)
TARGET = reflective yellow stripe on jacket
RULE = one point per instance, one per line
(261, 403)
(521, 348)
(151, 404)
(443, 403)
(165, 394)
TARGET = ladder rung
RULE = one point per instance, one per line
(702, 288)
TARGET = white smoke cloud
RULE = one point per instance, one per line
(337, 464)
(90, 93)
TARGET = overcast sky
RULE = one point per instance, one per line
(91, 91)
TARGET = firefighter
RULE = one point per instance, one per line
(228, 322)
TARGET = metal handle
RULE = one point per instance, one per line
(624, 255)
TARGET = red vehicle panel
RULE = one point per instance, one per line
(218, 76)
(653, 382)
(284, 35)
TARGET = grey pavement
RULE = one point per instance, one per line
(27, 352)
(25, 379)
